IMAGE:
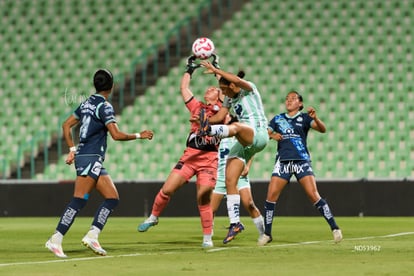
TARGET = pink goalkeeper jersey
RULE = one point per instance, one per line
(205, 143)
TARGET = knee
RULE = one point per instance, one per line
(111, 203)
(204, 198)
(250, 206)
(78, 203)
(314, 198)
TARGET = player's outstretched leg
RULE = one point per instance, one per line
(325, 211)
(149, 222)
(160, 202)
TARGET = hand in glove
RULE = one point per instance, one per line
(215, 61)
(191, 65)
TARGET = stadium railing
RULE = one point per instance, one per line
(40, 140)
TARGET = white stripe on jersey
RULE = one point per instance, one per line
(248, 107)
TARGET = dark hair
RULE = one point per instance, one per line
(224, 81)
(299, 97)
(103, 80)
(233, 119)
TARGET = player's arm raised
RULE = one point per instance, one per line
(227, 75)
(191, 66)
(317, 123)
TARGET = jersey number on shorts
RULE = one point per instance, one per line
(224, 153)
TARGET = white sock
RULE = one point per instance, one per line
(57, 237)
(233, 208)
(152, 218)
(259, 222)
(207, 238)
(221, 131)
(94, 232)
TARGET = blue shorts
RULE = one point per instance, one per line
(285, 169)
(91, 165)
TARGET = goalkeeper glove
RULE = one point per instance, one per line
(215, 62)
(191, 65)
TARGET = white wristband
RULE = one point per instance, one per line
(72, 149)
(137, 135)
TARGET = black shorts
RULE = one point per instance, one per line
(91, 165)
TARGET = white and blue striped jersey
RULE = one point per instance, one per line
(247, 106)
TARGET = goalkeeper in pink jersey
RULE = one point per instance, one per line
(199, 159)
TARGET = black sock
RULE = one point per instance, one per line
(268, 218)
(103, 212)
(70, 213)
(325, 211)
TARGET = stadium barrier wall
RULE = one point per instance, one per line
(346, 198)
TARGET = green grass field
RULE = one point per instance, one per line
(301, 246)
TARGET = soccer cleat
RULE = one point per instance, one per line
(55, 248)
(264, 239)
(234, 229)
(143, 227)
(337, 234)
(94, 245)
(207, 244)
(204, 124)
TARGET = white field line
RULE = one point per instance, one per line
(209, 250)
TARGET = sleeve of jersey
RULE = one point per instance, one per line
(309, 121)
(254, 88)
(272, 124)
(192, 105)
(107, 113)
(77, 113)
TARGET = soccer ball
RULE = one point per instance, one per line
(203, 48)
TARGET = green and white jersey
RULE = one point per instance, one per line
(248, 107)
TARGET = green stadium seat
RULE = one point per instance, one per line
(44, 55)
(337, 53)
